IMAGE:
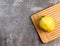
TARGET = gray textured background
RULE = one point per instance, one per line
(16, 28)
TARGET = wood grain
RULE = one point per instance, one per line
(54, 12)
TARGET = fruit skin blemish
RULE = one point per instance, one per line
(47, 23)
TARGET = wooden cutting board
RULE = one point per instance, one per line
(54, 12)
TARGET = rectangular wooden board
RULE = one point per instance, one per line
(54, 12)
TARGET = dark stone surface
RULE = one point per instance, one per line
(16, 28)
